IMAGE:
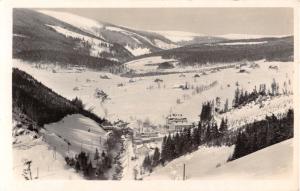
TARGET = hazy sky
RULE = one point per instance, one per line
(214, 21)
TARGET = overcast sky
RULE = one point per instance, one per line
(213, 21)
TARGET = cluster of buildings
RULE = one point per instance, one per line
(176, 122)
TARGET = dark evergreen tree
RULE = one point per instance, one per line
(156, 157)
(96, 156)
(223, 126)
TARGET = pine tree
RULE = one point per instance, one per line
(236, 97)
(196, 137)
(156, 157)
(223, 126)
(147, 163)
(164, 150)
(77, 166)
(226, 106)
(96, 156)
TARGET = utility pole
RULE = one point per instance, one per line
(37, 172)
(183, 178)
(54, 153)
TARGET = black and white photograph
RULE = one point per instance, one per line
(153, 93)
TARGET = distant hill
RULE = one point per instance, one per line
(226, 51)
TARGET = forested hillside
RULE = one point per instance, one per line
(270, 49)
(40, 103)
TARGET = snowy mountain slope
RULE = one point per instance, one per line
(45, 35)
(251, 112)
(96, 46)
(44, 165)
(135, 41)
(69, 136)
(48, 123)
(85, 24)
(197, 164)
(273, 162)
(82, 133)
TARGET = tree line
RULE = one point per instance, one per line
(242, 97)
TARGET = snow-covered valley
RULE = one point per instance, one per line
(142, 98)
(150, 99)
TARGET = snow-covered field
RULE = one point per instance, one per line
(143, 98)
(274, 162)
(148, 64)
